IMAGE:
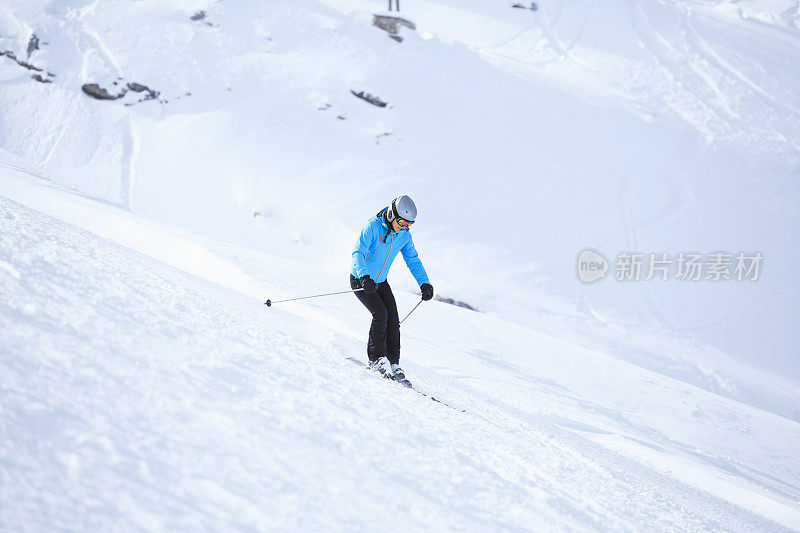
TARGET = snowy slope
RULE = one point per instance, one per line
(145, 385)
(155, 391)
(649, 126)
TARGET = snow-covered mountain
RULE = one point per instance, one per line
(145, 386)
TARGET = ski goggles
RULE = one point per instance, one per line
(404, 223)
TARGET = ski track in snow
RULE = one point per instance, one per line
(135, 393)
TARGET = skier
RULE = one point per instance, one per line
(382, 237)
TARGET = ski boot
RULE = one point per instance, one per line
(382, 366)
(399, 376)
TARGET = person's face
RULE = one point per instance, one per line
(397, 225)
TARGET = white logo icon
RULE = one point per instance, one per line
(591, 266)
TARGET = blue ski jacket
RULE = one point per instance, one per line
(377, 247)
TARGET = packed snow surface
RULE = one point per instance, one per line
(152, 390)
(146, 386)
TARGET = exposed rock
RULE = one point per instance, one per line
(11, 55)
(392, 24)
(139, 88)
(28, 66)
(532, 7)
(33, 45)
(200, 16)
(457, 303)
(95, 91)
(374, 100)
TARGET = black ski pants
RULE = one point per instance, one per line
(384, 334)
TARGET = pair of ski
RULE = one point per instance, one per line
(407, 384)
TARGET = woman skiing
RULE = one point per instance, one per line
(382, 237)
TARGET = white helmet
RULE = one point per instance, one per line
(402, 207)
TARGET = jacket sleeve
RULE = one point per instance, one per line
(362, 249)
(414, 264)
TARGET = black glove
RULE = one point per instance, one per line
(368, 284)
(427, 291)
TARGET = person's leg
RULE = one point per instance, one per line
(392, 322)
(376, 345)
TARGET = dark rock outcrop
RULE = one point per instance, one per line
(149, 94)
(136, 87)
(374, 100)
(33, 45)
(200, 16)
(392, 25)
(11, 55)
(95, 91)
(457, 303)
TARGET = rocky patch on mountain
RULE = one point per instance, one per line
(392, 25)
(200, 16)
(374, 100)
(532, 7)
(120, 90)
(40, 74)
(457, 303)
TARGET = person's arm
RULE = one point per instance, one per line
(362, 249)
(414, 264)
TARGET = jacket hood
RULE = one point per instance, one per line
(381, 216)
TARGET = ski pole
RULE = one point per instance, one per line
(269, 303)
(409, 313)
